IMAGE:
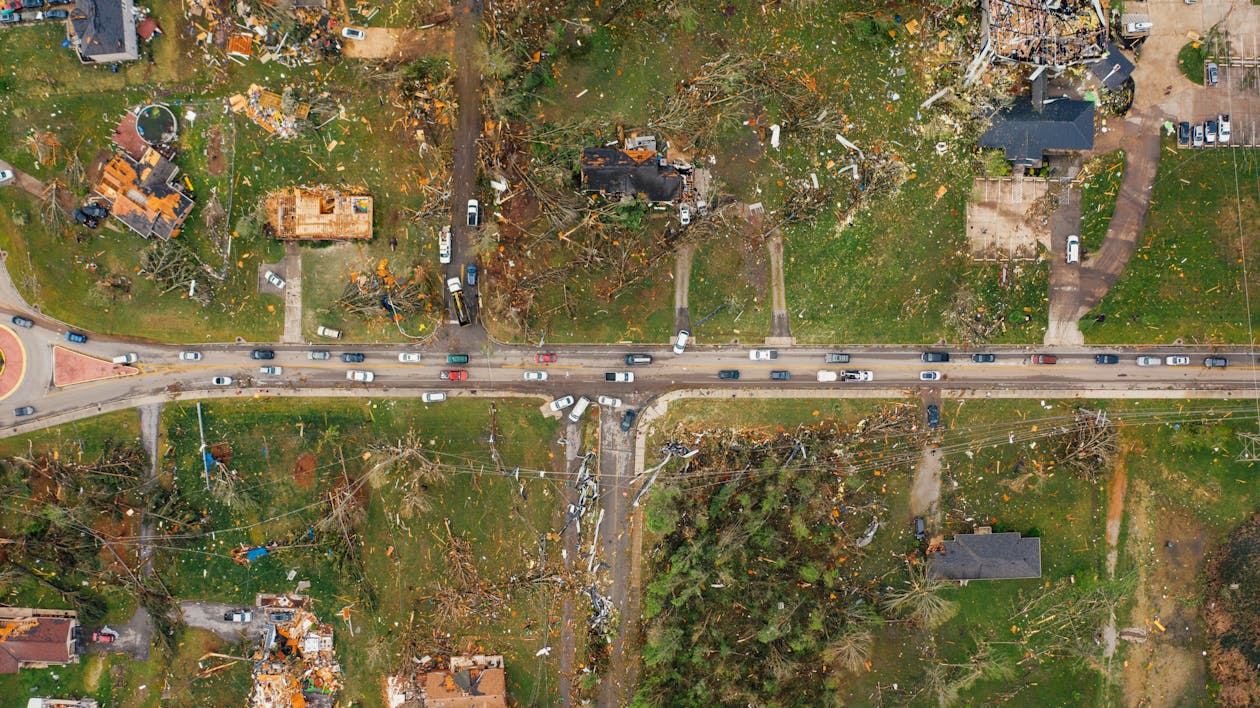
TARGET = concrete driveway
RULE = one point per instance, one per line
(209, 616)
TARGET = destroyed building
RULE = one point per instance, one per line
(276, 113)
(1036, 126)
(1053, 33)
(319, 213)
(103, 31)
(470, 681)
(143, 193)
(34, 639)
(630, 174)
(295, 665)
(984, 555)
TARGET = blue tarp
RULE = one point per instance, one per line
(254, 554)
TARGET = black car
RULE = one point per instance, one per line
(262, 354)
(1216, 362)
(93, 210)
(56, 15)
(1106, 359)
(82, 217)
(728, 374)
(984, 358)
(352, 358)
(638, 359)
(920, 528)
(780, 375)
(22, 322)
(59, 2)
(935, 357)
(1183, 133)
(627, 420)
(934, 416)
(24, 410)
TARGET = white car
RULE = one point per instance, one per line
(763, 354)
(1148, 361)
(929, 376)
(680, 344)
(619, 376)
(609, 401)
(6, 176)
(274, 279)
(353, 33)
(825, 376)
(1073, 249)
(271, 370)
(328, 332)
(1177, 360)
(360, 376)
(474, 213)
(535, 375)
(1223, 125)
(433, 396)
(684, 214)
(560, 403)
(221, 381)
(243, 616)
(444, 245)
(128, 358)
(409, 357)
(190, 356)
(858, 376)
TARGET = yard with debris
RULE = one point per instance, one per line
(1186, 279)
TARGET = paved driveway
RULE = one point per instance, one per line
(209, 616)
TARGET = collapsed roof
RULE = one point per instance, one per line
(143, 195)
(319, 213)
(630, 173)
(1045, 32)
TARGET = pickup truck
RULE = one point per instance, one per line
(457, 300)
(851, 375)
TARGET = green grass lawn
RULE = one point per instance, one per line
(1098, 197)
(1186, 278)
(730, 274)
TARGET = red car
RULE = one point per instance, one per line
(455, 375)
(545, 358)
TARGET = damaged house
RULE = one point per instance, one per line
(319, 214)
(476, 681)
(630, 174)
(1037, 126)
(143, 194)
(1052, 33)
(36, 639)
(103, 31)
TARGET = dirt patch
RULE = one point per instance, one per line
(386, 43)
(1115, 513)
(214, 152)
(304, 469)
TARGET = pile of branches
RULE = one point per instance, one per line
(174, 266)
(403, 466)
(377, 293)
(1089, 447)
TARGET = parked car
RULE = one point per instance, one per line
(731, 374)
(274, 279)
(1177, 360)
(317, 355)
(128, 358)
(241, 615)
(24, 410)
(545, 358)
(80, 217)
(328, 332)
(780, 375)
(104, 636)
(560, 403)
(221, 381)
(1106, 359)
(933, 416)
(265, 354)
(609, 401)
(76, 337)
(470, 274)
(920, 528)
(1137, 27)
(825, 376)
(1216, 362)
(12, 18)
(1197, 140)
(32, 4)
(929, 376)
(1225, 134)
(680, 342)
(852, 375)
(984, 358)
(1045, 359)
(360, 376)
(1209, 131)
(684, 214)
(763, 354)
(6, 176)
(433, 396)
(1183, 133)
(22, 322)
(935, 357)
(832, 358)
(1149, 361)
(457, 358)
(190, 356)
(56, 15)
(627, 420)
(59, 2)
(409, 357)
(474, 213)
(271, 370)
(1213, 74)
(1073, 251)
(444, 245)
(352, 358)
(579, 408)
(638, 359)
(453, 375)
(353, 33)
(535, 375)
(619, 376)
(94, 210)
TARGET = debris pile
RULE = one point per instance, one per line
(319, 213)
(1046, 32)
(277, 114)
(295, 665)
(295, 33)
(471, 680)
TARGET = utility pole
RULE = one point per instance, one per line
(205, 466)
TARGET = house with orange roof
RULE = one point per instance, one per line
(143, 194)
(35, 639)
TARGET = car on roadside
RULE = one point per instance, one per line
(984, 358)
(780, 375)
(433, 396)
(1183, 133)
(836, 358)
(76, 337)
(24, 410)
(728, 374)
(1222, 121)
(221, 381)
(444, 245)
(23, 322)
(128, 358)
(627, 420)
(579, 408)
(352, 358)
(560, 403)
(32, 4)
(638, 359)
(930, 376)
(271, 370)
(933, 416)
(680, 342)
(457, 358)
(1072, 252)
(353, 33)
(470, 275)
(241, 615)
(1209, 132)
(619, 376)
(544, 358)
(317, 355)
(609, 401)
(763, 354)
(1149, 361)
(409, 358)
(274, 279)
(1197, 140)
(1045, 359)
(1177, 360)
(265, 354)
(934, 357)
(1106, 359)
(12, 18)
(328, 332)
(473, 212)
(857, 375)
(190, 356)
(825, 376)
(56, 15)
(360, 376)
(1215, 362)
(453, 375)
(535, 375)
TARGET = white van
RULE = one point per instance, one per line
(129, 358)
(444, 245)
(825, 376)
(579, 408)
(681, 342)
(1073, 249)
(328, 332)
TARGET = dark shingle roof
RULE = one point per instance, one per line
(1113, 68)
(1026, 135)
(614, 171)
(987, 556)
(106, 29)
